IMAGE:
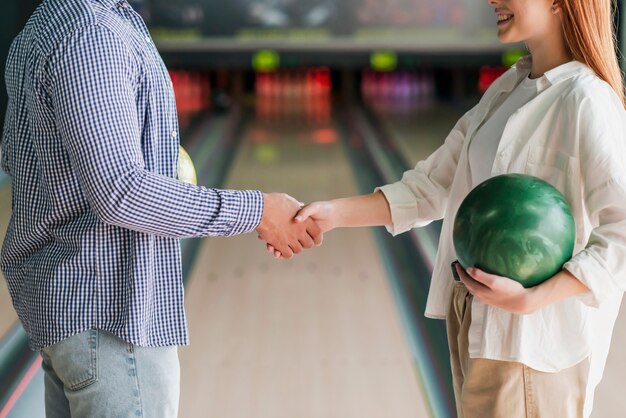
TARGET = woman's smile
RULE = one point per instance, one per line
(504, 18)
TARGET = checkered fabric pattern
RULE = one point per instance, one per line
(91, 145)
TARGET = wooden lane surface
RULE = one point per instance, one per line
(317, 336)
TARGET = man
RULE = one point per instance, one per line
(92, 255)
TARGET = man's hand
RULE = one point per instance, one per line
(281, 231)
(321, 213)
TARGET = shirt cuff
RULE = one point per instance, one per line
(403, 207)
(590, 272)
(249, 208)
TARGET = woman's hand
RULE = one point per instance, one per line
(356, 211)
(507, 294)
(498, 291)
(322, 213)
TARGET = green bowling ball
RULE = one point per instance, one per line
(186, 170)
(516, 226)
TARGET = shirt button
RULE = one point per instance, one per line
(148, 39)
(502, 153)
(174, 134)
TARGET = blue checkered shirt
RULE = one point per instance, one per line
(91, 144)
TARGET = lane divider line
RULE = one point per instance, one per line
(21, 387)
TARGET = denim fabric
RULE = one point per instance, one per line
(95, 374)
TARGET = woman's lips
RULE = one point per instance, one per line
(504, 18)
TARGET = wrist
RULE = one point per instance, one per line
(560, 286)
(535, 299)
(262, 226)
(335, 215)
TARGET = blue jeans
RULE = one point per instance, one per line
(95, 374)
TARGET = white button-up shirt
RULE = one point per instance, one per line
(573, 135)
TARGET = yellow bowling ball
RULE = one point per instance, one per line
(186, 170)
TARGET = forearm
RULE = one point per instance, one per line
(366, 210)
(153, 204)
(562, 285)
(511, 296)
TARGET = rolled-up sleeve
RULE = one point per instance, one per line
(95, 81)
(420, 197)
(601, 266)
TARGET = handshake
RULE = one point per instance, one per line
(287, 229)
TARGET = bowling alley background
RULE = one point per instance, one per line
(318, 99)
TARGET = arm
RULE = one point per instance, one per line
(417, 199)
(14, 65)
(601, 266)
(421, 196)
(367, 210)
(511, 296)
(5, 143)
(94, 97)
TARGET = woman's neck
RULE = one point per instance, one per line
(541, 64)
(548, 54)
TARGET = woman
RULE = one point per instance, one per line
(558, 115)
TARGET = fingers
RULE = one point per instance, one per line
(288, 234)
(285, 252)
(313, 230)
(498, 291)
(273, 251)
(317, 238)
(477, 276)
(306, 241)
(296, 247)
(475, 287)
(288, 249)
(304, 213)
(480, 276)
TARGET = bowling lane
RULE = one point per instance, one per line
(315, 336)
(609, 397)
(417, 128)
(417, 131)
(8, 318)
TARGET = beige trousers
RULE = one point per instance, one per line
(501, 389)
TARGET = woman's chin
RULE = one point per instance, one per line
(504, 38)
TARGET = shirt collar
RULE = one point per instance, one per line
(565, 71)
(553, 76)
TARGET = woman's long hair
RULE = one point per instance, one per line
(591, 38)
